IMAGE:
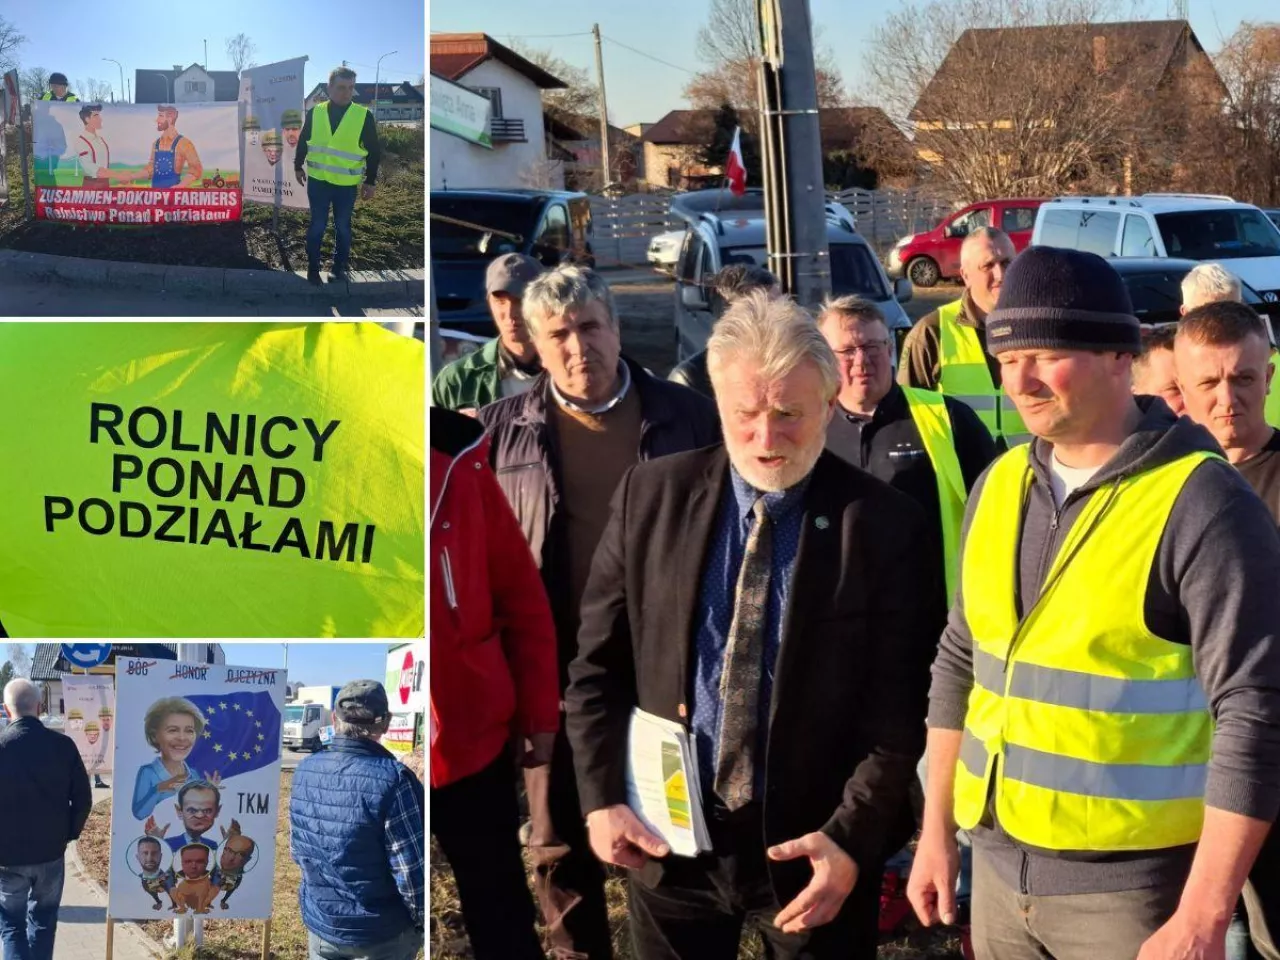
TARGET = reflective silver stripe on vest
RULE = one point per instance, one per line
(973, 754)
(1112, 781)
(1086, 691)
(988, 670)
(344, 171)
(340, 154)
(975, 402)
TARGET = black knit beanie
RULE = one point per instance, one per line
(1055, 299)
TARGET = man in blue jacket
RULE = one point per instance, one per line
(44, 802)
(357, 832)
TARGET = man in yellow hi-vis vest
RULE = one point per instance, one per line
(58, 89)
(946, 350)
(338, 148)
(211, 479)
(1105, 716)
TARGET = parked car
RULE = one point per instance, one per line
(664, 250)
(1189, 226)
(1155, 287)
(469, 228)
(712, 242)
(926, 258)
(1273, 215)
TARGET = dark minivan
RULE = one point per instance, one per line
(469, 228)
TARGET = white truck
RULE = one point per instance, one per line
(305, 716)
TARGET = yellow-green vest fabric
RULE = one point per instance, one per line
(929, 412)
(966, 376)
(1273, 397)
(1095, 731)
(71, 97)
(336, 156)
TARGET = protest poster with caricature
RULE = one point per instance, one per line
(197, 790)
(90, 704)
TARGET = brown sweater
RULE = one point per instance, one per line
(595, 451)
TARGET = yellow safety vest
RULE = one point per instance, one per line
(336, 156)
(1272, 408)
(1094, 731)
(966, 377)
(932, 419)
(70, 98)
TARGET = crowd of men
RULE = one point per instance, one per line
(1041, 559)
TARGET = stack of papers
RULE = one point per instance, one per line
(663, 788)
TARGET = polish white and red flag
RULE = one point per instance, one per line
(734, 169)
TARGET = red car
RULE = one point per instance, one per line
(926, 258)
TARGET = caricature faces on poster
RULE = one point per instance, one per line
(198, 832)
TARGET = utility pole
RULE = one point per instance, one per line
(128, 91)
(205, 65)
(791, 151)
(604, 111)
(121, 69)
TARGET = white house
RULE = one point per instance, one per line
(193, 84)
(513, 85)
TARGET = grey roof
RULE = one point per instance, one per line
(48, 662)
(403, 92)
(156, 86)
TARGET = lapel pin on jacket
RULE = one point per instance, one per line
(821, 523)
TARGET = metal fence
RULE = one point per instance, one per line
(885, 216)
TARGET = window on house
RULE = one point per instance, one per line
(195, 86)
(494, 96)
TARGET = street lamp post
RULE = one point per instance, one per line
(167, 88)
(117, 63)
(377, 78)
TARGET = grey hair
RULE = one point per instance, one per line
(564, 289)
(342, 73)
(1210, 283)
(850, 305)
(22, 697)
(777, 335)
(994, 234)
(360, 731)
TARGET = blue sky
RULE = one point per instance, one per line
(72, 36)
(641, 90)
(314, 664)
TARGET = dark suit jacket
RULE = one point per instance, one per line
(846, 724)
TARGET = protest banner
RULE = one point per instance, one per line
(407, 694)
(89, 719)
(121, 164)
(272, 97)
(211, 479)
(193, 814)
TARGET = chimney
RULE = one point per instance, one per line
(1099, 54)
(177, 68)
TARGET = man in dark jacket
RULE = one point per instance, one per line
(559, 451)
(727, 285)
(357, 833)
(44, 802)
(777, 603)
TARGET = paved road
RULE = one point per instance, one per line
(30, 298)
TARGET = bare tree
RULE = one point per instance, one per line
(20, 660)
(581, 98)
(1246, 149)
(33, 82)
(241, 51)
(10, 41)
(1032, 98)
(93, 91)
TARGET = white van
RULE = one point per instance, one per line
(1190, 226)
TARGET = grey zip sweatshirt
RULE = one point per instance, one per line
(1213, 585)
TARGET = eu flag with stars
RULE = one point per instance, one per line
(241, 733)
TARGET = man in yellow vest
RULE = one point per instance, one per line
(947, 350)
(930, 447)
(1105, 713)
(58, 89)
(338, 147)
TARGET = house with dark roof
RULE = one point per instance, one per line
(191, 84)
(673, 145)
(396, 102)
(1015, 79)
(519, 154)
(576, 139)
(48, 664)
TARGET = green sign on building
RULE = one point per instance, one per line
(459, 111)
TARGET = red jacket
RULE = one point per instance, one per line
(493, 644)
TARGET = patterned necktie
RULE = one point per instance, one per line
(743, 663)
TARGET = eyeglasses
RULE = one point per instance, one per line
(869, 349)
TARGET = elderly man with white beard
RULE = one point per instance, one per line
(776, 602)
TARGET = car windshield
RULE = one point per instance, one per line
(294, 714)
(504, 215)
(1219, 234)
(853, 268)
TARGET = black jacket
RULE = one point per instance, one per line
(890, 449)
(44, 794)
(526, 459)
(846, 722)
(693, 374)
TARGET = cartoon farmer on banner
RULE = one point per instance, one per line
(174, 161)
(291, 121)
(272, 145)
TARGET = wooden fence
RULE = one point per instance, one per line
(624, 225)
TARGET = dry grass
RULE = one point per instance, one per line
(448, 937)
(224, 939)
